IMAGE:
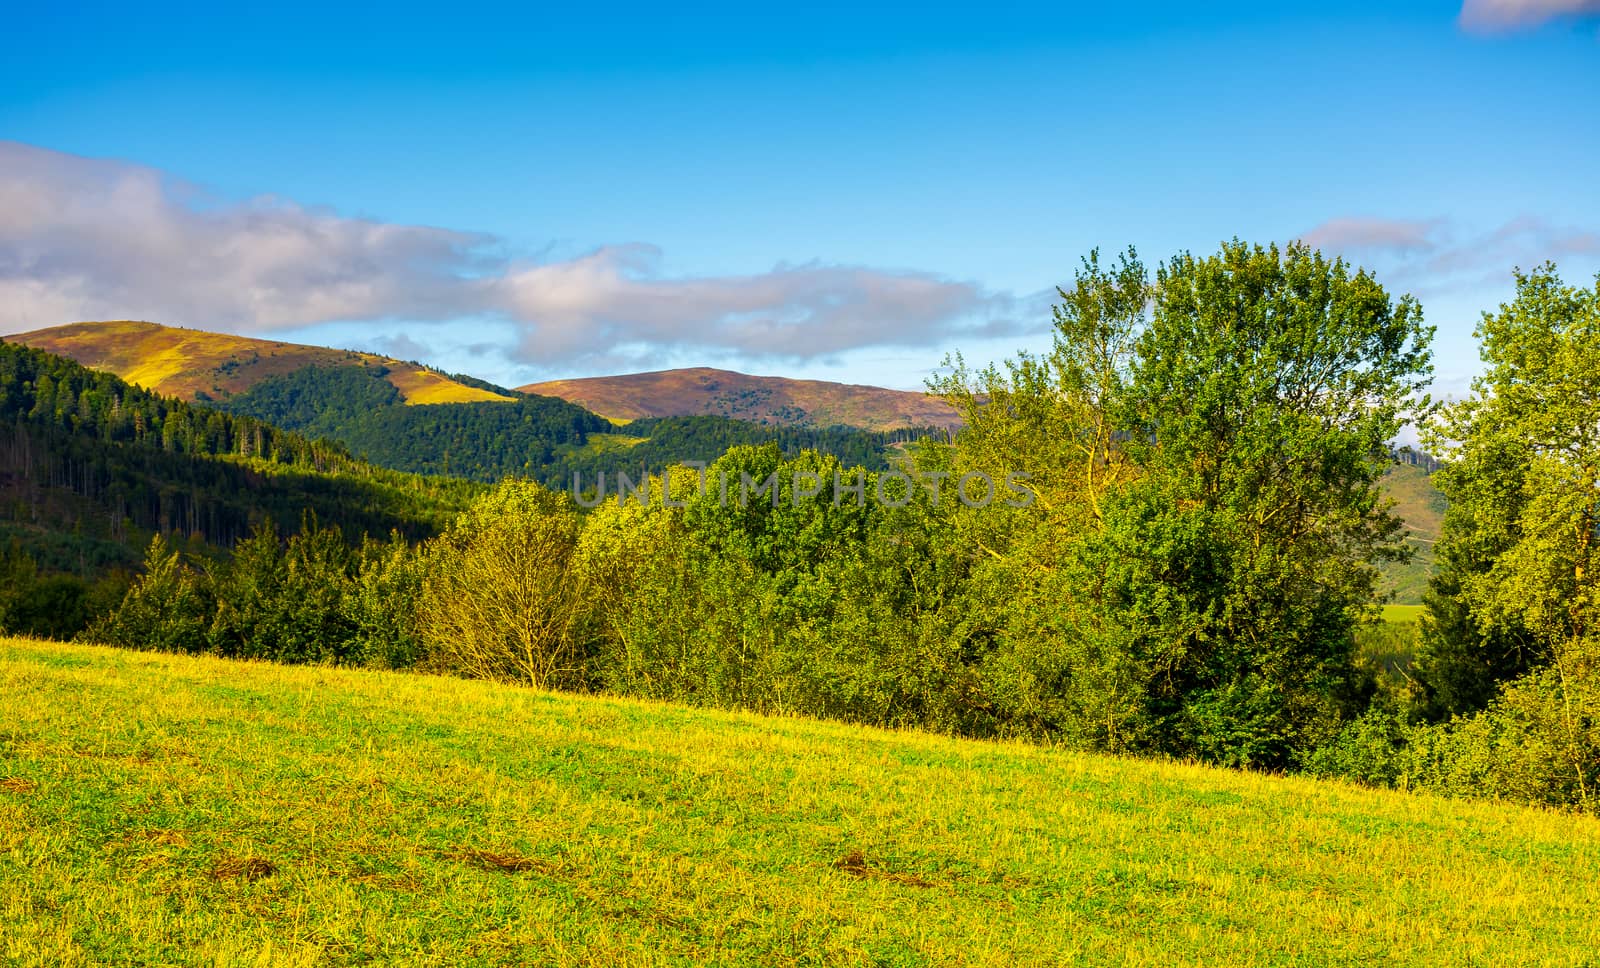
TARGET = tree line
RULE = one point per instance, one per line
(1204, 444)
(1503, 698)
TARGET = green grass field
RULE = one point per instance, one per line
(158, 809)
(1402, 613)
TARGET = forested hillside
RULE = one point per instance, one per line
(361, 409)
(541, 437)
(91, 466)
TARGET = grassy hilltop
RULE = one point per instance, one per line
(161, 809)
(185, 363)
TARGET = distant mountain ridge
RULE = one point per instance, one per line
(780, 401)
(190, 364)
(486, 432)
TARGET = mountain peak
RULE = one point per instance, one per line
(704, 390)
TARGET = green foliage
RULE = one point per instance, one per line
(1539, 740)
(499, 600)
(46, 605)
(792, 599)
(285, 601)
(1371, 749)
(98, 466)
(1209, 509)
(382, 604)
(543, 438)
(1508, 669)
(1386, 654)
(166, 610)
(1518, 560)
(1509, 642)
(308, 599)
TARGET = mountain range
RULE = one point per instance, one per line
(195, 365)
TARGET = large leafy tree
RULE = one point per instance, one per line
(1262, 400)
(1513, 622)
(1524, 456)
(1207, 448)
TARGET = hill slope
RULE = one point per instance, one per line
(90, 466)
(190, 364)
(362, 401)
(167, 809)
(1421, 506)
(763, 399)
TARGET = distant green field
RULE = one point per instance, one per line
(1402, 613)
(1421, 507)
(158, 809)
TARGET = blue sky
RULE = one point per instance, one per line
(817, 191)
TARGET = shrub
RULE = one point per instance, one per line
(497, 598)
(167, 609)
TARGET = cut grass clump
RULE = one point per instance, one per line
(243, 868)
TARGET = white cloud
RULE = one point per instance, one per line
(1359, 233)
(1499, 16)
(618, 295)
(1439, 255)
(89, 239)
(92, 239)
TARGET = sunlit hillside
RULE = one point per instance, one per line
(191, 364)
(1421, 505)
(157, 809)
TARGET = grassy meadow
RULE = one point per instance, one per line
(157, 809)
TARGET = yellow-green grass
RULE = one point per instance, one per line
(605, 443)
(158, 809)
(183, 362)
(1402, 613)
(419, 386)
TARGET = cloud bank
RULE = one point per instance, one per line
(1441, 255)
(92, 239)
(1401, 235)
(617, 295)
(1501, 16)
